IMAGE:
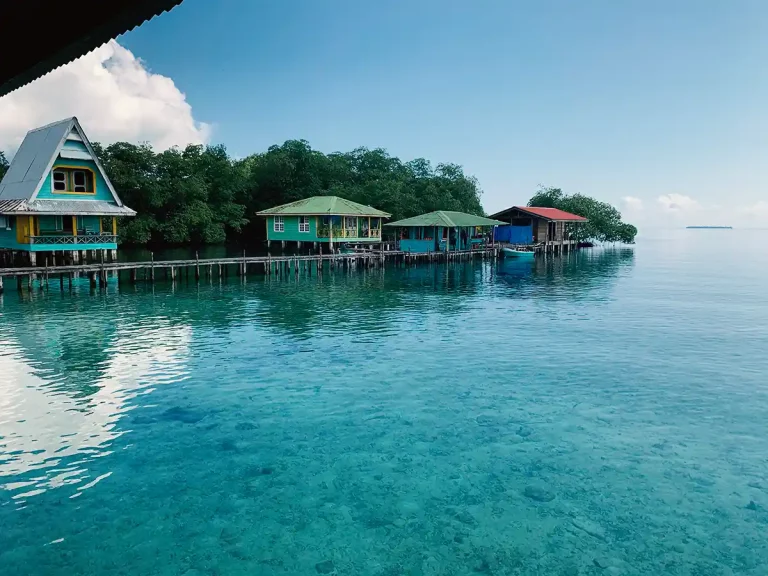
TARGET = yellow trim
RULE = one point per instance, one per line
(114, 226)
(101, 225)
(69, 178)
(74, 225)
(22, 230)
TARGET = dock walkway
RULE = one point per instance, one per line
(220, 267)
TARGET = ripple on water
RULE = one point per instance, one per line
(549, 418)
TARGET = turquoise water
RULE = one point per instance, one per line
(604, 413)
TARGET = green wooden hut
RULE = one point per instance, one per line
(325, 219)
(442, 231)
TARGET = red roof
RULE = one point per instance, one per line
(551, 214)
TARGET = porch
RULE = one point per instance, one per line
(58, 242)
(425, 239)
(43, 233)
(349, 228)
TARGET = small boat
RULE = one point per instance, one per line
(517, 253)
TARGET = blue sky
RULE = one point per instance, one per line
(614, 99)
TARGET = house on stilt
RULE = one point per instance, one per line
(549, 229)
(443, 231)
(56, 199)
(324, 220)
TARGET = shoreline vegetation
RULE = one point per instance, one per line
(200, 195)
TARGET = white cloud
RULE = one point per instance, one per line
(632, 204)
(760, 209)
(113, 95)
(678, 203)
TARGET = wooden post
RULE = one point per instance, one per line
(173, 274)
(1, 285)
(197, 267)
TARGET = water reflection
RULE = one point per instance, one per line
(73, 363)
(66, 385)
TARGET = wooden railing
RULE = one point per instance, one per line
(323, 232)
(72, 240)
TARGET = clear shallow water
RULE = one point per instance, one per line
(600, 414)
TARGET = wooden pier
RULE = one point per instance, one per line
(98, 273)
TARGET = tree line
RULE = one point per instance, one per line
(603, 224)
(201, 195)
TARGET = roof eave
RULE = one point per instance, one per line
(105, 20)
(271, 213)
(529, 213)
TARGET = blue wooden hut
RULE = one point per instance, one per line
(56, 196)
(442, 231)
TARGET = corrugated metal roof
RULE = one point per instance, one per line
(36, 153)
(36, 156)
(55, 44)
(324, 205)
(79, 208)
(64, 207)
(447, 218)
(553, 214)
(12, 206)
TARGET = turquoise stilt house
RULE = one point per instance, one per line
(56, 196)
(325, 219)
(442, 231)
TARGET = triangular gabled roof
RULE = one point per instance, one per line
(448, 219)
(323, 206)
(35, 157)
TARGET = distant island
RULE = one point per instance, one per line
(709, 227)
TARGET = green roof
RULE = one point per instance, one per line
(324, 205)
(449, 219)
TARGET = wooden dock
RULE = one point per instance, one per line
(197, 269)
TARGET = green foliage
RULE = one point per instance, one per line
(604, 224)
(181, 196)
(201, 195)
(372, 177)
(3, 165)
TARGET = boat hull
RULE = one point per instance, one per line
(512, 253)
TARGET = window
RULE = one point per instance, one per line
(78, 181)
(350, 222)
(5, 223)
(73, 180)
(58, 223)
(303, 223)
(59, 180)
(279, 224)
